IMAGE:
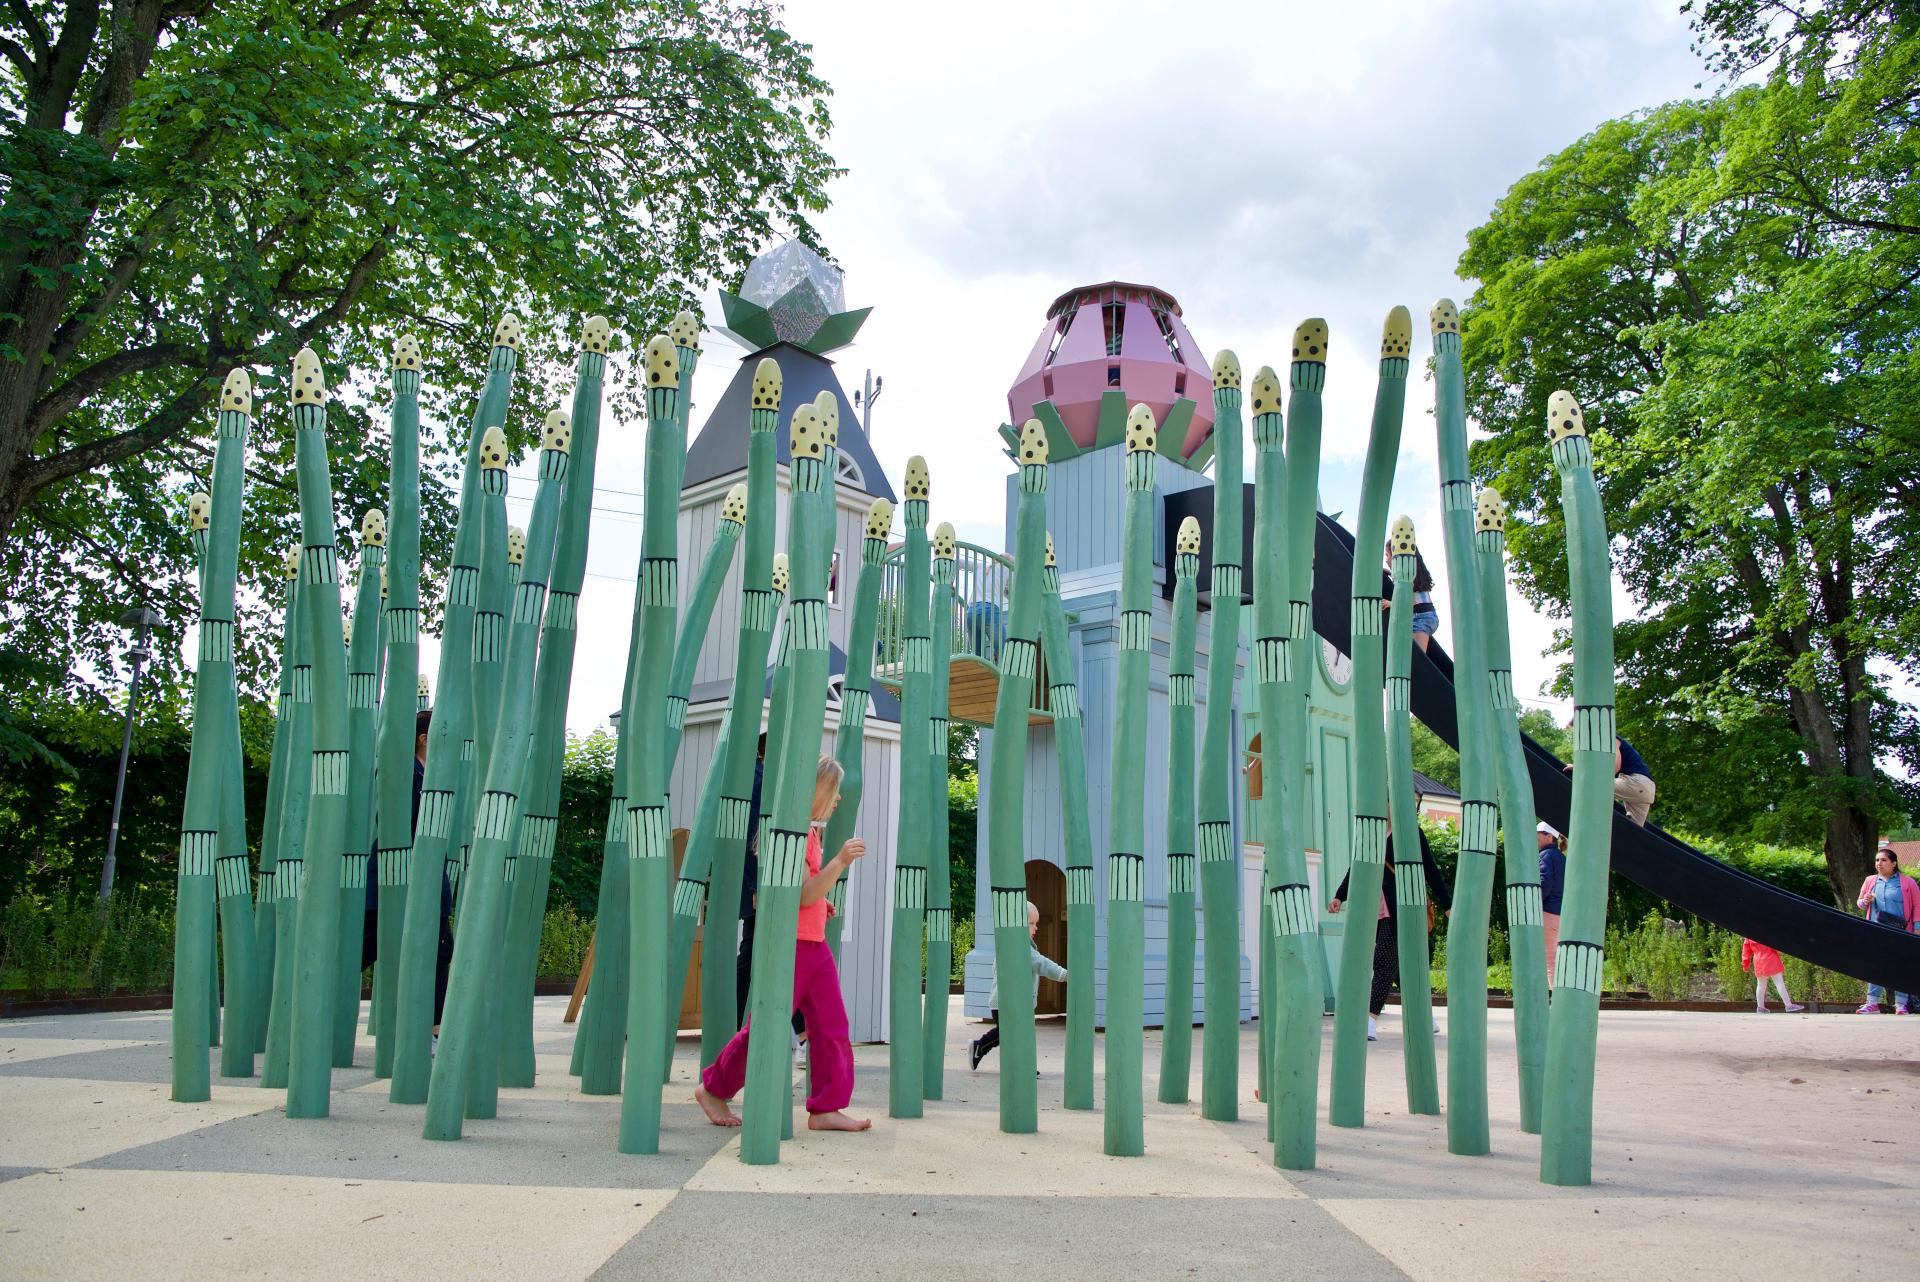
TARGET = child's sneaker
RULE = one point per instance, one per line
(1794, 1008)
(1760, 1008)
(1871, 1008)
(975, 1054)
(1903, 1010)
(1373, 1029)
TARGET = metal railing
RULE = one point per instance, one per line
(982, 599)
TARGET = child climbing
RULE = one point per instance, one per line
(1040, 964)
(1553, 884)
(1765, 964)
(1426, 616)
(816, 989)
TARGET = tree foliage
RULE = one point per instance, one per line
(192, 185)
(1728, 287)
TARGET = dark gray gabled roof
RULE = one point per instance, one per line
(1428, 786)
(721, 447)
(882, 703)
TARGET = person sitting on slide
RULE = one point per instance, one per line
(1632, 784)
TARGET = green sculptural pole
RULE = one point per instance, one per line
(1006, 790)
(939, 933)
(1126, 803)
(1369, 834)
(448, 740)
(363, 690)
(1409, 872)
(1525, 924)
(1070, 747)
(472, 1001)
(317, 941)
(1290, 925)
(540, 824)
(1566, 1134)
(696, 867)
(489, 656)
(905, 1048)
(856, 699)
(265, 915)
(651, 1009)
(1219, 870)
(217, 526)
(793, 769)
(1479, 761)
(289, 876)
(730, 777)
(1176, 1040)
(393, 752)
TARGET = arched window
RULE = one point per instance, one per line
(848, 471)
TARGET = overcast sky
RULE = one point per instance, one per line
(1263, 163)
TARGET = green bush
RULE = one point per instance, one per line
(71, 946)
(1736, 985)
(962, 945)
(564, 938)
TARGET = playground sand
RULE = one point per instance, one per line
(1725, 1146)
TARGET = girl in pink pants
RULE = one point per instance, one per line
(816, 989)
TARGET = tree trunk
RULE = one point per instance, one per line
(1852, 833)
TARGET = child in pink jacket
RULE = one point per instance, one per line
(1765, 964)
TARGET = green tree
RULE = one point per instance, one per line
(1727, 286)
(188, 186)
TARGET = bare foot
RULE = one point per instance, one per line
(716, 1109)
(837, 1121)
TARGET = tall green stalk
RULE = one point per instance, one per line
(289, 870)
(1219, 875)
(1409, 871)
(730, 775)
(363, 690)
(1126, 804)
(1176, 1041)
(1566, 1136)
(904, 997)
(449, 742)
(393, 806)
(1479, 760)
(1070, 747)
(783, 847)
(472, 1000)
(939, 934)
(856, 693)
(265, 914)
(315, 979)
(1525, 924)
(1369, 842)
(650, 1007)
(1006, 786)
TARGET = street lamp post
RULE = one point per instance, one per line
(140, 618)
(863, 401)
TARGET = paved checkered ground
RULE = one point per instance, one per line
(1776, 1146)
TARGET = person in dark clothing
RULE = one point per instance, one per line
(749, 884)
(1386, 943)
(370, 935)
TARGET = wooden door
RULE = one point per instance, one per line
(1047, 889)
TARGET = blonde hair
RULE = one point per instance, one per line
(827, 777)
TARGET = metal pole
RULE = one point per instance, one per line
(139, 618)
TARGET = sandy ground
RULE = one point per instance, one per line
(1730, 1146)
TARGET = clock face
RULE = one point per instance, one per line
(1337, 666)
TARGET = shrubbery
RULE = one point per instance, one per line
(73, 946)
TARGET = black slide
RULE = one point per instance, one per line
(1720, 893)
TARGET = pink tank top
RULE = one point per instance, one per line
(813, 917)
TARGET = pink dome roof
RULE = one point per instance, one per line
(1123, 338)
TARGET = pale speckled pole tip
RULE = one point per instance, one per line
(422, 689)
(1266, 398)
(516, 545)
(1396, 336)
(290, 564)
(826, 408)
(1489, 510)
(1142, 432)
(684, 330)
(662, 365)
(309, 385)
(373, 528)
(945, 542)
(1052, 563)
(236, 394)
(406, 353)
(780, 576)
(1402, 537)
(596, 334)
(558, 432)
(1444, 318)
(1226, 369)
(493, 450)
(199, 510)
(1187, 542)
(1564, 417)
(1033, 443)
(919, 484)
(734, 506)
(880, 519)
(508, 333)
(1310, 341)
(766, 384)
(806, 437)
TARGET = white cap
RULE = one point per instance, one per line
(1549, 829)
